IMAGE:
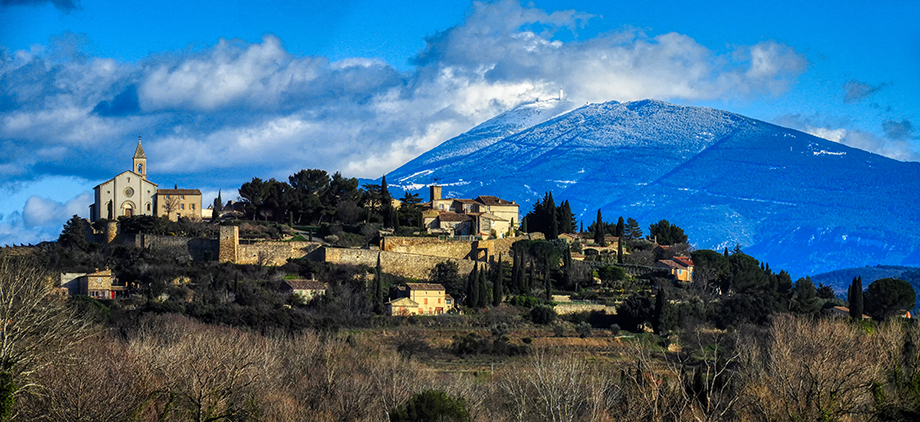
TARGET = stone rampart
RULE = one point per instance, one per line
(431, 246)
(396, 263)
(274, 253)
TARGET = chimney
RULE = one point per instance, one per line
(435, 192)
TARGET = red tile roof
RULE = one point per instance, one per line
(493, 200)
(424, 286)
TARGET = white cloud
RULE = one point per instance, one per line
(899, 149)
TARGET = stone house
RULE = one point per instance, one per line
(680, 267)
(98, 284)
(178, 203)
(307, 289)
(421, 299)
(481, 216)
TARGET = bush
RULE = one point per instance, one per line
(432, 405)
(542, 315)
(559, 330)
(583, 329)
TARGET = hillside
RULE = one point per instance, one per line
(799, 202)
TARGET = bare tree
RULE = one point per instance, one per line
(812, 370)
(171, 205)
(36, 326)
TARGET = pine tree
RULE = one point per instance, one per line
(497, 284)
(855, 298)
(74, 234)
(632, 230)
(599, 230)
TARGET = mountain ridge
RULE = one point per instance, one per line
(725, 178)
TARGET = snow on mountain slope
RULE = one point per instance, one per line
(799, 202)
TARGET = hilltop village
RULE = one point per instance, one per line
(319, 299)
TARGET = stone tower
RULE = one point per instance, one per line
(140, 160)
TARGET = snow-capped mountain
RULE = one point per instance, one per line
(801, 203)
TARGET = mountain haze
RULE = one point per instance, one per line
(799, 202)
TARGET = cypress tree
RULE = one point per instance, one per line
(532, 280)
(524, 226)
(378, 288)
(472, 287)
(620, 231)
(497, 284)
(547, 281)
(217, 209)
(599, 230)
(553, 221)
(483, 288)
(855, 298)
(567, 262)
(519, 282)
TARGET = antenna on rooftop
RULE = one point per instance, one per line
(560, 94)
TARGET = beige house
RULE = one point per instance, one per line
(178, 203)
(680, 267)
(97, 284)
(307, 289)
(421, 299)
(127, 194)
(483, 216)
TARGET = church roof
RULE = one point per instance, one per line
(128, 171)
(178, 192)
(139, 152)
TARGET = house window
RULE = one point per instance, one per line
(439, 300)
(192, 206)
(426, 300)
(441, 206)
(181, 196)
(181, 206)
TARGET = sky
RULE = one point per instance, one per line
(221, 92)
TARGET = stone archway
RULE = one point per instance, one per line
(128, 209)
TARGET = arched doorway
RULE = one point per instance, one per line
(128, 209)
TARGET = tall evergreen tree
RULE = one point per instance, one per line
(531, 279)
(378, 287)
(621, 230)
(74, 234)
(599, 230)
(483, 285)
(567, 262)
(217, 208)
(520, 282)
(472, 287)
(524, 227)
(855, 298)
(551, 216)
(632, 230)
(497, 286)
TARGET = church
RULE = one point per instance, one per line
(130, 193)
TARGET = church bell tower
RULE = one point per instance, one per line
(140, 160)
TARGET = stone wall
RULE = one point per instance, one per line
(571, 308)
(274, 253)
(180, 248)
(431, 246)
(396, 263)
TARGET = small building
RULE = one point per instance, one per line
(421, 299)
(178, 203)
(306, 289)
(680, 267)
(98, 284)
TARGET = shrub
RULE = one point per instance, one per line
(583, 329)
(559, 330)
(431, 405)
(542, 315)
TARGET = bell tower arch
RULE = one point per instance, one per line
(140, 160)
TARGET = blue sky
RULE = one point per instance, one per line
(224, 91)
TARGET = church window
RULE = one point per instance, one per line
(140, 168)
(129, 180)
(148, 206)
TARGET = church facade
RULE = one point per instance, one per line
(127, 194)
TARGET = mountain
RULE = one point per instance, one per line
(799, 202)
